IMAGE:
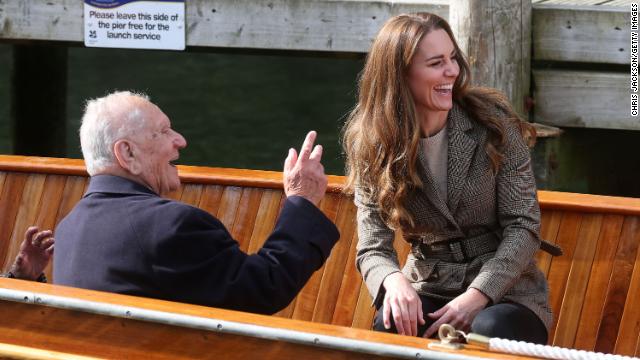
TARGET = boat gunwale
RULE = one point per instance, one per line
(551, 200)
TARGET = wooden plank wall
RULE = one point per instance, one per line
(596, 95)
(595, 286)
(563, 31)
(318, 25)
(592, 99)
(578, 33)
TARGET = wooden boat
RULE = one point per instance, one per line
(595, 285)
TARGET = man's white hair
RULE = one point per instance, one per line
(106, 120)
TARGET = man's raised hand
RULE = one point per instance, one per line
(304, 174)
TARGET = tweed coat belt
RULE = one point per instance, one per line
(501, 208)
(462, 250)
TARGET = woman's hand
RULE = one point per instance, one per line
(403, 303)
(459, 312)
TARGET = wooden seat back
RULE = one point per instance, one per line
(594, 286)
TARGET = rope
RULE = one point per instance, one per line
(550, 352)
(449, 335)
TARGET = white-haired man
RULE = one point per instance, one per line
(123, 237)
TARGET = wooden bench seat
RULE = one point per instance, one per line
(595, 285)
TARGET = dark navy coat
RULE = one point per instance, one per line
(122, 237)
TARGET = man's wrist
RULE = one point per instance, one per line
(42, 278)
(10, 275)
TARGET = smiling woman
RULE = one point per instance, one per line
(448, 165)
(432, 73)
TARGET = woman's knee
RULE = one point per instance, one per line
(510, 321)
(489, 323)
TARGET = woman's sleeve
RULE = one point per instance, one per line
(376, 257)
(519, 217)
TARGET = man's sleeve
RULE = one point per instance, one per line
(198, 262)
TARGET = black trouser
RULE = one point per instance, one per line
(504, 320)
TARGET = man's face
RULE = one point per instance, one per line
(159, 147)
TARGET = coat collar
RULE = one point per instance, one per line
(461, 147)
(116, 185)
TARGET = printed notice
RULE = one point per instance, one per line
(135, 24)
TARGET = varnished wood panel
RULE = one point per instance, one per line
(102, 336)
(175, 194)
(229, 205)
(78, 332)
(210, 200)
(574, 294)
(268, 212)
(556, 200)
(9, 205)
(8, 351)
(560, 266)
(273, 179)
(363, 315)
(600, 276)
(27, 212)
(548, 231)
(191, 194)
(349, 288)
(3, 176)
(629, 331)
(47, 210)
(51, 200)
(619, 285)
(246, 216)
(594, 285)
(332, 278)
(74, 188)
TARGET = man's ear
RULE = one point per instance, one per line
(126, 155)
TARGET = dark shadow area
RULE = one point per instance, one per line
(593, 161)
(235, 110)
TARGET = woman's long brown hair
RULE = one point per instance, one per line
(382, 133)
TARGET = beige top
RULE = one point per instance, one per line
(435, 152)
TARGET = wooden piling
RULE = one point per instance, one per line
(496, 37)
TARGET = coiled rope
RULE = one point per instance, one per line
(449, 335)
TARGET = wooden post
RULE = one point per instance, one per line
(496, 37)
(38, 103)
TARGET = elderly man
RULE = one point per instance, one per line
(35, 252)
(123, 237)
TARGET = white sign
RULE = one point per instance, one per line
(137, 24)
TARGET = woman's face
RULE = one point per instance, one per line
(432, 72)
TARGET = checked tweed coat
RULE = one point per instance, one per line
(501, 208)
